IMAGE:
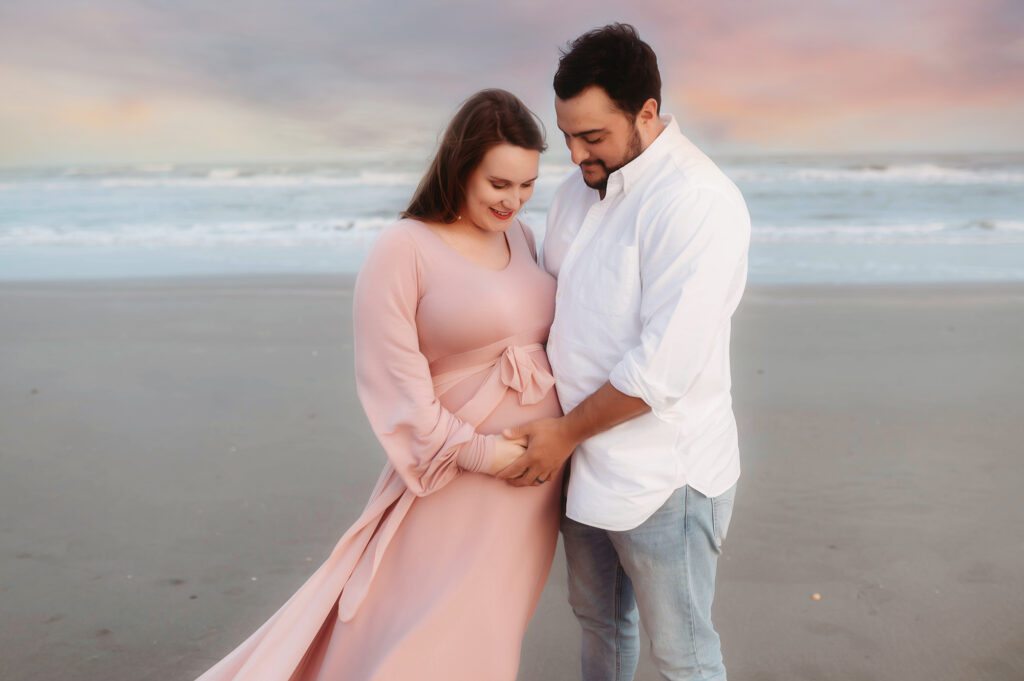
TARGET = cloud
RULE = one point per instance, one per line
(844, 75)
(316, 77)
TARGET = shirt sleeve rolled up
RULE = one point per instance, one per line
(693, 267)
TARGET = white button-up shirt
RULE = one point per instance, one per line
(648, 279)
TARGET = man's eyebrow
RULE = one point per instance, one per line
(595, 131)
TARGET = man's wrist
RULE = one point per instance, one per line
(572, 429)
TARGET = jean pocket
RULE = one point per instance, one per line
(721, 514)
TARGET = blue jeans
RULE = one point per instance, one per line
(662, 572)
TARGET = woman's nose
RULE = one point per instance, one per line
(513, 201)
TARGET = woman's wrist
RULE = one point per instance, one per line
(505, 452)
(477, 455)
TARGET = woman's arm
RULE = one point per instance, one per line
(426, 443)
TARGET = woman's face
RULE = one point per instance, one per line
(499, 187)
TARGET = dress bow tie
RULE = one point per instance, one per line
(520, 372)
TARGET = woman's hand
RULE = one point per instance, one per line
(505, 452)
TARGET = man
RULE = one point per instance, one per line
(649, 245)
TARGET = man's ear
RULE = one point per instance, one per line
(648, 112)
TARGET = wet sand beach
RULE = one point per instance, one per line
(178, 456)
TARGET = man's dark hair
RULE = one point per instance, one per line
(615, 59)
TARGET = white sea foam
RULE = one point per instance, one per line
(231, 177)
(155, 168)
(345, 230)
(981, 232)
(168, 176)
(223, 173)
(253, 233)
(921, 173)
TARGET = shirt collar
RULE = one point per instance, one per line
(667, 139)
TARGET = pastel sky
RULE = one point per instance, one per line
(115, 81)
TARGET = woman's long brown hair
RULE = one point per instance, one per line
(485, 120)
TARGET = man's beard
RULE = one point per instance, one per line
(633, 149)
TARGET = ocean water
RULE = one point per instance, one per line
(816, 219)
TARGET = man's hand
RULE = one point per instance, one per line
(549, 445)
(551, 441)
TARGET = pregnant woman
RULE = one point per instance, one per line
(439, 576)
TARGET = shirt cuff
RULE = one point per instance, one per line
(477, 455)
(627, 379)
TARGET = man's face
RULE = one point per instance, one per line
(601, 138)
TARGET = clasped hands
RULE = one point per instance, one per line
(533, 453)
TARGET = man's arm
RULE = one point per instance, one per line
(552, 440)
(694, 254)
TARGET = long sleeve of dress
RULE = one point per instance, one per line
(426, 443)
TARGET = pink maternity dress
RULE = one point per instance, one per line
(440, 575)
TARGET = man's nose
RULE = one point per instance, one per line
(577, 151)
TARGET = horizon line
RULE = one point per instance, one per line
(362, 157)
